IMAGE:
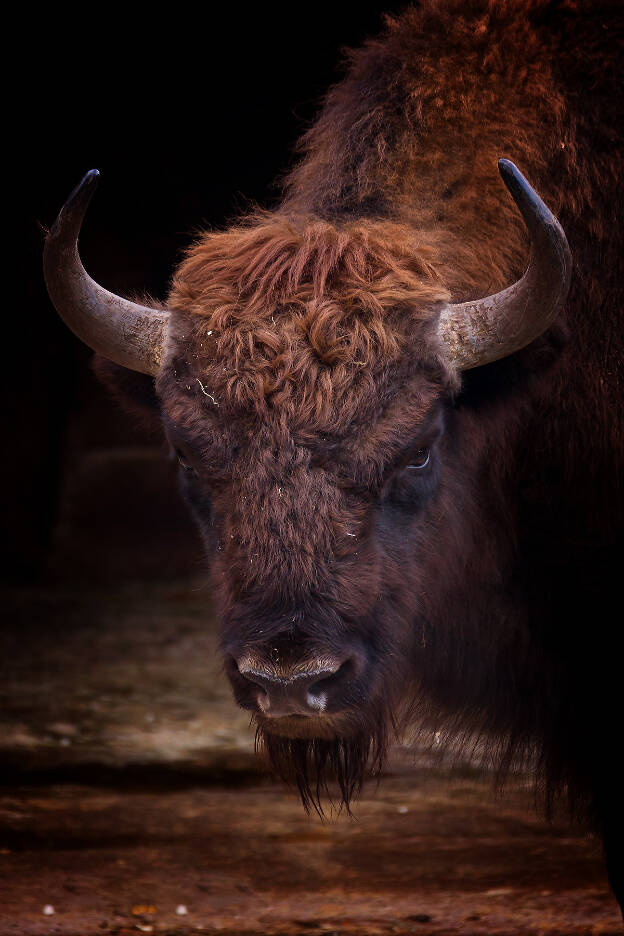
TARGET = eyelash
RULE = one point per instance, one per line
(422, 459)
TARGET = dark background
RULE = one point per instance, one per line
(127, 773)
(189, 116)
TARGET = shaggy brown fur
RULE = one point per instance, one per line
(314, 319)
(303, 370)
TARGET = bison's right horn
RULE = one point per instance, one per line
(488, 329)
(122, 331)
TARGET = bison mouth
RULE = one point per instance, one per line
(320, 758)
(324, 750)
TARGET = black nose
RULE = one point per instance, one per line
(307, 688)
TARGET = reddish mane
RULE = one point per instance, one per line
(306, 315)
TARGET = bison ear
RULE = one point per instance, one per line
(134, 391)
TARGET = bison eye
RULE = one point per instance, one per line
(420, 459)
(182, 461)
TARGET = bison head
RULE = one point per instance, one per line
(303, 370)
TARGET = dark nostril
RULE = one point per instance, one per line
(322, 688)
(231, 666)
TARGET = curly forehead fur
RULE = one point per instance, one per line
(315, 320)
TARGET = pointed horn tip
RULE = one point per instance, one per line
(505, 164)
(526, 198)
(511, 175)
(77, 202)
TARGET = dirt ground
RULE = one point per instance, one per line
(132, 802)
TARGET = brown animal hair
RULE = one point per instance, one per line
(293, 329)
(306, 337)
(306, 312)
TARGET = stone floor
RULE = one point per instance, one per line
(131, 801)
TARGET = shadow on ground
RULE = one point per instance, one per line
(132, 801)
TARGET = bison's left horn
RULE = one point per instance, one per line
(488, 329)
(128, 334)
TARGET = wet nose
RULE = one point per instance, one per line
(302, 689)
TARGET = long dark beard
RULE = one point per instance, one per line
(311, 764)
